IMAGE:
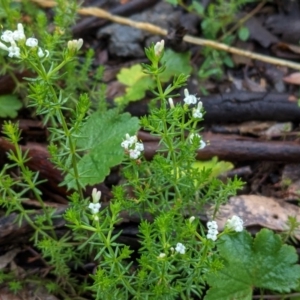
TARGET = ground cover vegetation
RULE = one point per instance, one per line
(79, 247)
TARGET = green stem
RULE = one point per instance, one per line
(47, 78)
(31, 184)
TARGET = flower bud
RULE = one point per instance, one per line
(75, 45)
(171, 102)
(191, 219)
(159, 47)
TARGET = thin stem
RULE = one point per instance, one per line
(72, 147)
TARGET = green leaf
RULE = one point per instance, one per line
(137, 91)
(129, 76)
(103, 133)
(174, 2)
(9, 105)
(217, 167)
(137, 84)
(263, 262)
(243, 33)
(228, 61)
(176, 63)
(198, 7)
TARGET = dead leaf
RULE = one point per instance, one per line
(293, 78)
(8, 257)
(259, 33)
(290, 181)
(256, 128)
(251, 85)
(284, 50)
(258, 210)
(277, 129)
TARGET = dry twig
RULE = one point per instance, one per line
(100, 13)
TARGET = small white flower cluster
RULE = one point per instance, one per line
(180, 248)
(212, 230)
(235, 224)
(192, 99)
(159, 47)
(12, 37)
(95, 205)
(132, 146)
(202, 144)
(197, 114)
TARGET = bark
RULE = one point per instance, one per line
(239, 106)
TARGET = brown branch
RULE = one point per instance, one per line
(237, 148)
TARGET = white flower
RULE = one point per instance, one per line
(191, 219)
(197, 111)
(133, 147)
(94, 207)
(180, 248)
(7, 36)
(235, 223)
(31, 42)
(134, 154)
(41, 53)
(19, 33)
(212, 236)
(129, 141)
(75, 44)
(159, 47)
(161, 255)
(171, 102)
(212, 225)
(139, 146)
(96, 195)
(189, 99)
(197, 114)
(202, 144)
(13, 50)
(212, 230)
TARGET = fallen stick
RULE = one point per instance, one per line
(237, 148)
(239, 106)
